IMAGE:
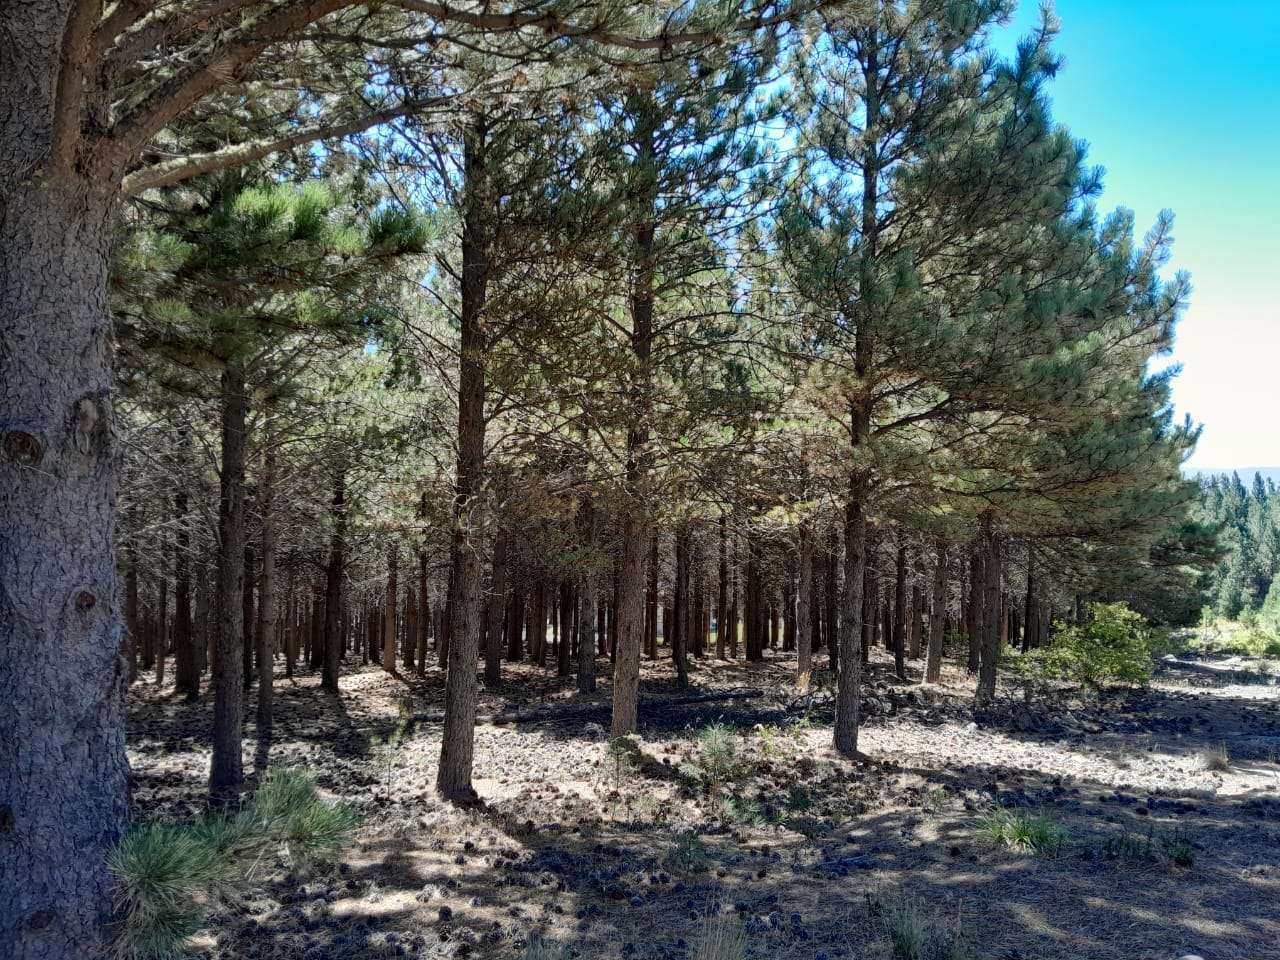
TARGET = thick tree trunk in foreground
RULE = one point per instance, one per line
(63, 772)
(226, 771)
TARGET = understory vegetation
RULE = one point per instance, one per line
(170, 872)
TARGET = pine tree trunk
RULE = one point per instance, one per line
(185, 650)
(266, 631)
(831, 601)
(389, 614)
(900, 610)
(804, 603)
(849, 675)
(937, 616)
(651, 602)
(226, 771)
(515, 622)
(976, 615)
(132, 623)
(424, 614)
(722, 596)
(466, 595)
(497, 604)
(333, 574)
(247, 612)
(586, 639)
(564, 643)
(162, 614)
(990, 626)
(63, 663)
(683, 613)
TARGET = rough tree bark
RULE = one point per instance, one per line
(990, 625)
(453, 779)
(226, 770)
(63, 772)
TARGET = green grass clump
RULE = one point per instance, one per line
(167, 873)
(913, 934)
(1026, 832)
(720, 938)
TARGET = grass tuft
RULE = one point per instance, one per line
(913, 934)
(1217, 758)
(540, 949)
(720, 938)
(167, 873)
(1025, 832)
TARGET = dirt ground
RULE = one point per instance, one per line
(623, 852)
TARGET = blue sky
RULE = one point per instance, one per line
(1180, 103)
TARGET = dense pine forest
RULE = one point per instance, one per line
(562, 446)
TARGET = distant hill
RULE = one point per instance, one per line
(1246, 473)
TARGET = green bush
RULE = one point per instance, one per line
(168, 872)
(1113, 646)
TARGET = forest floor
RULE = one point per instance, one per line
(1163, 808)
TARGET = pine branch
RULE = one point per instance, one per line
(169, 172)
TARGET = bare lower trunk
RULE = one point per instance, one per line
(586, 637)
(937, 617)
(849, 681)
(900, 610)
(267, 597)
(804, 602)
(990, 625)
(497, 604)
(63, 666)
(389, 615)
(185, 651)
(226, 771)
(333, 574)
